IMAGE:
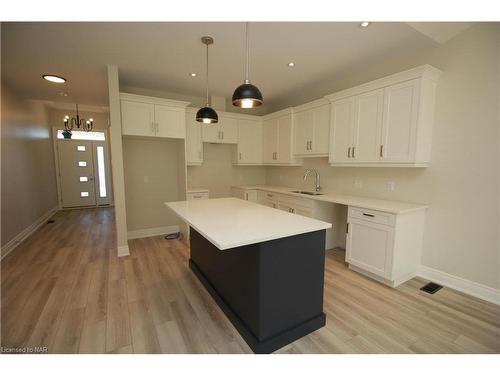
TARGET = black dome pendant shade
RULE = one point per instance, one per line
(247, 95)
(207, 115)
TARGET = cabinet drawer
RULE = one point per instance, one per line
(296, 201)
(200, 195)
(372, 216)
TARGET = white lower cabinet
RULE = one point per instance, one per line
(384, 246)
(245, 194)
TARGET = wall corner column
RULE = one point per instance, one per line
(115, 133)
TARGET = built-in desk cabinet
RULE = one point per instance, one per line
(311, 123)
(152, 117)
(387, 122)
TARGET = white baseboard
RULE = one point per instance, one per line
(123, 251)
(151, 232)
(13, 243)
(472, 288)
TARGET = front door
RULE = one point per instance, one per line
(76, 168)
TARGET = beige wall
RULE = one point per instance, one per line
(151, 170)
(461, 185)
(218, 174)
(28, 173)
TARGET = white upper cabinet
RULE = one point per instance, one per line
(249, 147)
(194, 144)
(152, 117)
(387, 122)
(278, 139)
(311, 124)
(225, 131)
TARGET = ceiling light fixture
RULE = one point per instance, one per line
(207, 115)
(291, 64)
(247, 95)
(365, 24)
(53, 78)
(193, 74)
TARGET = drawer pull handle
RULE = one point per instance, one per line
(369, 215)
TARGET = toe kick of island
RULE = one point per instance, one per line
(272, 291)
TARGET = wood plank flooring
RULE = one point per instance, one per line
(64, 288)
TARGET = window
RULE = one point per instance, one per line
(84, 179)
(101, 171)
(84, 194)
(82, 163)
(83, 136)
(80, 148)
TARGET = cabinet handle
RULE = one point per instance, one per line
(274, 206)
(369, 215)
(246, 196)
(381, 151)
(347, 228)
(197, 196)
(152, 127)
(270, 195)
(354, 148)
(307, 145)
(349, 152)
(240, 155)
(310, 145)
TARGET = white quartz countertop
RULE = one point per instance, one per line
(395, 207)
(233, 222)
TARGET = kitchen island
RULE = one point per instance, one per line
(263, 267)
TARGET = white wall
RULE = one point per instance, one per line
(461, 185)
(28, 172)
(218, 174)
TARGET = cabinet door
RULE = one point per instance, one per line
(170, 122)
(399, 124)
(368, 109)
(303, 124)
(249, 142)
(250, 195)
(320, 140)
(229, 130)
(211, 132)
(302, 211)
(269, 141)
(194, 145)
(341, 130)
(284, 139)
(369, 246)
(137, 118)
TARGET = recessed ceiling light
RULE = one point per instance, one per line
(63, 93)
(193, 74)
(291, 64)
(53, 78)
(365, 24)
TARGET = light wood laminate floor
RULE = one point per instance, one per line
(64, 288)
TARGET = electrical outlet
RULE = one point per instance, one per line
(391, 185)
(358, 183)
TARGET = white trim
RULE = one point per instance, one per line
(13, 243)
(153, 100)
(310, 105)
(423, 71)
(151, 232)
(472, 288)
(283, 112)
(123, 251)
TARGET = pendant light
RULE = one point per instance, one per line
(207, 115)
(247, 95)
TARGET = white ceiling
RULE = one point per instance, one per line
(160, 56)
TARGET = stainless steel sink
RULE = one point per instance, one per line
(307, 192)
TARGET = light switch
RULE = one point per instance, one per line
(391, 185)
(358, 183)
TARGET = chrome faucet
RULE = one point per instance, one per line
(308, 172)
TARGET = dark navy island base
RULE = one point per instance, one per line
(271, 291)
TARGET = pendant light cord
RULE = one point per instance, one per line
(247, 49)
(208, 104)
